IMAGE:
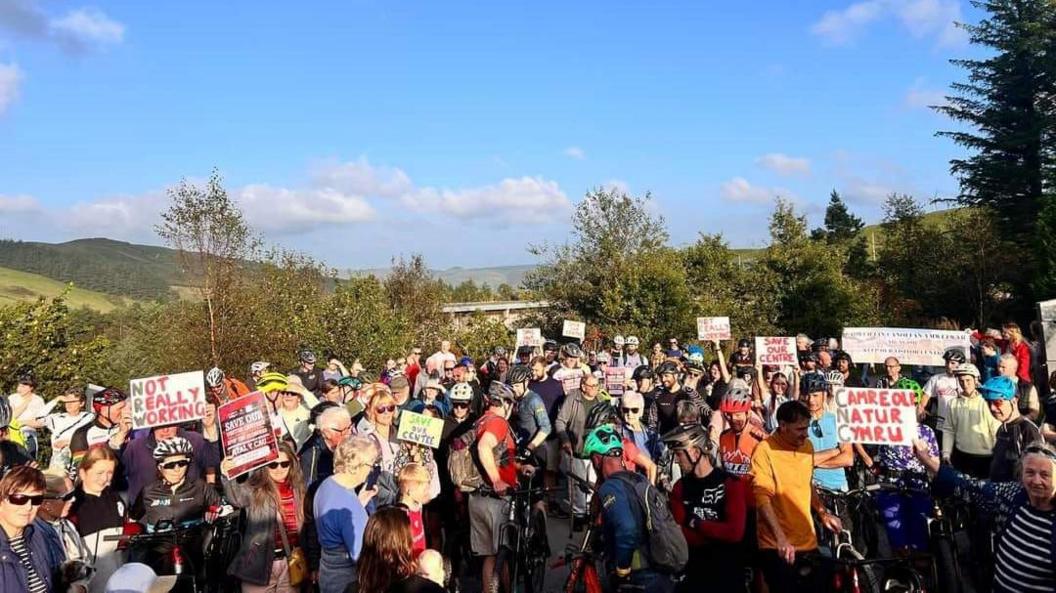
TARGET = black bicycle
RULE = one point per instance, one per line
(524, 549)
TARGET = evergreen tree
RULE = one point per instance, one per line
(840, 224)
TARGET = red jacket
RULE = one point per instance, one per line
(1020, 350)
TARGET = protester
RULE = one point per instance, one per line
(1026, 394)
(55, 512)
(30, 551)
(414, 493)
(645, 439)
(311, 377)
(969, 432)
(11, 453)
(670, 392)
(1015, 433)
(140, 461)
(571, 427)
(98, 511)
(341, 513)
(27, 409)
(387, 560)
(62, 424)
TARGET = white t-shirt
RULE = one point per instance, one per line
(34, 410)
(946, 388)
(63, 425)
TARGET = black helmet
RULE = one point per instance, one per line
(500, 392)
(499, 351)
(519, 374)
(819, 345)
(550, 346)
(307, 356)
(808, 357)
(744, 343)
(603, 413)
(642, 372)
(572, 350)
(685, 436)
(955, 354)
(812, 383)
(667, 368)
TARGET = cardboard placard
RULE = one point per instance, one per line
(909, 346)
(569, 378)
(776, 351)
(713, 328)
(167, 399)
(876, 416)
(419, 428)
(529, 336)
(574, 329)
(615, 380)
(246, 433)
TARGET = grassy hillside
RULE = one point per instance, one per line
(493, 277)
(16, 286)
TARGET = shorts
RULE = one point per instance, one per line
(550, 454)
(486, 516)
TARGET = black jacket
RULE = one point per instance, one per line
(252, 563)
(187, 504)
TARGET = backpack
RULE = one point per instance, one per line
(463, 462)
(666, 547)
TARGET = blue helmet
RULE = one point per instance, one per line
(998, 388)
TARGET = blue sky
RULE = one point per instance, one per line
(359, 130)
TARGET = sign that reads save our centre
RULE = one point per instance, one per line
(876, 416)
(529, 336)
(909, 346)
(167, 399)
(776, 351)
(419, 428)
(246, 434)
(713, 328)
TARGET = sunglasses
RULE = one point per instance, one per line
(815, 427)
(460, 404)
(630, 410)
(385, 409)
(21, 499)
(278, 464)
(176, 464)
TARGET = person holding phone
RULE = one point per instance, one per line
(341, 513)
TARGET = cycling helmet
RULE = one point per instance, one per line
(307, 356)
(819, 345)
(812, 383)
(214, 379)
(549, 346)
(601, 414)
(642, 372)
(603, 441)
(525, 350)
(500, 392)
(744, 343)
(834, 378)
(736, 399)
(272, 382)
(967, 368)
(632, 340)
(353, 383)
(5, 412)
(499, 351)
(618, 341)
(107, 397)
(955, 354)
(910, 384)
(572, 350)
(519, 374)
(808, 357)
(258, 367)
(693, 365)
(465, 361)
(998, 388)
(695, 354)
(667, 368)
(461, 392)
(685, 436)
(173, 446)
(604, 357)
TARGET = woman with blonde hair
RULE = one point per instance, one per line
(340, 509)
(272, 498)
(379, 423)
(99, 513)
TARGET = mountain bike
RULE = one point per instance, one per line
(524, 548)
(582, 560)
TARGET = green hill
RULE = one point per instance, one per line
(16, 286)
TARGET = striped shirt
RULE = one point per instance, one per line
(33, 579)
(1024, 560)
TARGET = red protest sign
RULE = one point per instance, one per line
(246, 434)
(876, 416)
(615, 380)
(776, 351)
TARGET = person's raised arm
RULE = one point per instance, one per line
(724, 370)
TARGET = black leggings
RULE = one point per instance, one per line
(781, 577)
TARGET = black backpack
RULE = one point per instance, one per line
(666, 547)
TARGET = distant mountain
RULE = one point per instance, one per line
(493, 277)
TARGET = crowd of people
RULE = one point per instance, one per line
(745, 458)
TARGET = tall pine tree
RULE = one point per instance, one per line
(840, 224)
(1007, 101)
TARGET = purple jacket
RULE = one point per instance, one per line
(138, 460)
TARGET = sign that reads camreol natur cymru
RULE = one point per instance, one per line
(167, 399)
(876, 416)
(246, 434)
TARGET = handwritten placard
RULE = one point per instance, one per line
(529, 336)
(246, 433)
(876, 416)
(419, 428)
(615, 380)
(574, 329)
(167, 399)
(713, 328)
(776, 351)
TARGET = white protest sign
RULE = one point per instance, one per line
(776, 351)
(909, 346)
(876, 416)
(569, 378)
(419, 428)
(615, 380)
(167, 399)
(713, 328)
(574, 329)
(529, 336)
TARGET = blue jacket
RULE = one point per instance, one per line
(46, 552)
(532, 416)
(622, 522)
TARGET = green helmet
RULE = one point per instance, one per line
(604, 441)
(910, 384)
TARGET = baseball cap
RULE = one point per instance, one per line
(398, 382)
(135, 577)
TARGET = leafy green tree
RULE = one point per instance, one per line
(722, 284)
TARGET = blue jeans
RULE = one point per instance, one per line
(905, 517)
(336, 570)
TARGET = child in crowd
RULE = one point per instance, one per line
(414, 492)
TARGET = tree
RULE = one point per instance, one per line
(1007, 100)
(724, 284)
(840, 224)
(213, 242)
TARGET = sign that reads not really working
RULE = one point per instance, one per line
(167, 399)
(876, 416)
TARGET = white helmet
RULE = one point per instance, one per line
(632, 340)
(461, 392)
(618, 340)
(258, 367)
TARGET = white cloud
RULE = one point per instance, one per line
(19, 204)
(362, 179)
(741, 190)
(278, 209)
(10, 81)
(85, 28)
(920, 96)
(921, 18)
(575, 152)
(783, 164)
(617, 185)
(122, 217)
(524, 200)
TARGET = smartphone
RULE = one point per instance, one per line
(372, 477)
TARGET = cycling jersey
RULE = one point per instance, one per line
(184, 506)
(531, 418)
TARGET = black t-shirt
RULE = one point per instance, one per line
(311, 380)
(667, 409)
(1012, 438)
(415, 584)
(705, 498)
(92, 513)
(552, 392)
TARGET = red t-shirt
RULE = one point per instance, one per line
(500, 428)
(417, 530)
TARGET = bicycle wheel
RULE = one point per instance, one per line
(537, 552)
(947, 568)
(505, 570)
